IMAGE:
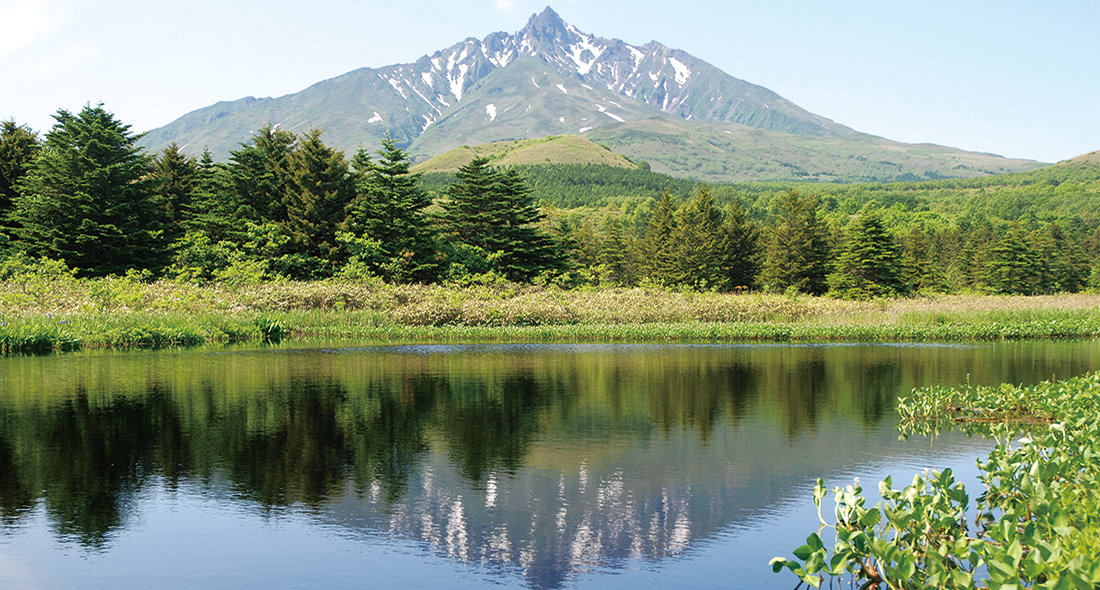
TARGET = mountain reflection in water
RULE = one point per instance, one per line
(537, 462)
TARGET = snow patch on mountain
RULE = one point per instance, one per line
(375, 119)
(397, 86)
(457, 82)
(562, 88)
(614, 116)
(682, 71)
(583, 129)
(585, 48)
(491, 110)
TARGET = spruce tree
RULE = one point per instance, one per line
(389, 207)
(869, 265)
(88, 200)
(796, 252)
(18, 149)
(659, 246)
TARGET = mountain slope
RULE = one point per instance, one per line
(727, 152)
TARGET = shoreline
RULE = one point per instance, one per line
(71, 314)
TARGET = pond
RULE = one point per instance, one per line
(529, 466)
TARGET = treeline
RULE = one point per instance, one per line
(583, 185)
(283, 206)
(802, 244)
(289, 206)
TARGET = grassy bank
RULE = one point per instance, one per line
(1035, 526)
(63, 313)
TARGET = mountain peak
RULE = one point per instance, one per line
(545, 31)
(545, 18)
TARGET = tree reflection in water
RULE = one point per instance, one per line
(546, 461)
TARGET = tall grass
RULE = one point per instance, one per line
(65, 313)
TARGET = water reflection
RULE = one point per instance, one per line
(537, 462)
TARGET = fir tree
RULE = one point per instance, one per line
(492, 211)
(796, 251)
(1013, 267)
(659, 247)
(175, 175)
(89, 201)
(259, 175)
(213, 208)
(389, 207)
(1062, 264)
(700, 244)
(315, 205)
(742, 249)
(869, 265)
(18, 149)
(614, 254)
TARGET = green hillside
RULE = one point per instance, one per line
(556, 149)
(1067, 189)
(728, 152)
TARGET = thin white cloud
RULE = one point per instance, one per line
(25, 22)
(505, 5)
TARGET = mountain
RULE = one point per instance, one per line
(549, 78)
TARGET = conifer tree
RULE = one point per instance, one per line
(700, 243)
(742, 248)
(88, 200)
(614, 254)
(213, 208)
(315, 205)
(796, 252)
(1013, 267)
(174, 174)
(18, 149)
(589, 243)
(259, 175)
(493, 211)
(659, 247)
(389, 207)
(869, 265)
(1062, 265)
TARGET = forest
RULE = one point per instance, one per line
(88, 197)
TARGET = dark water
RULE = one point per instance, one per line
(582, 466)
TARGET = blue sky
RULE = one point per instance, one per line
(1020, 79)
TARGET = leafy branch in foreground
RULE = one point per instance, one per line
(1037, 523)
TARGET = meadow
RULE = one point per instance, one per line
(61, 312)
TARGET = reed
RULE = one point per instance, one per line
(65, 313)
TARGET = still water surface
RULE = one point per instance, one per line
(546, 466)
